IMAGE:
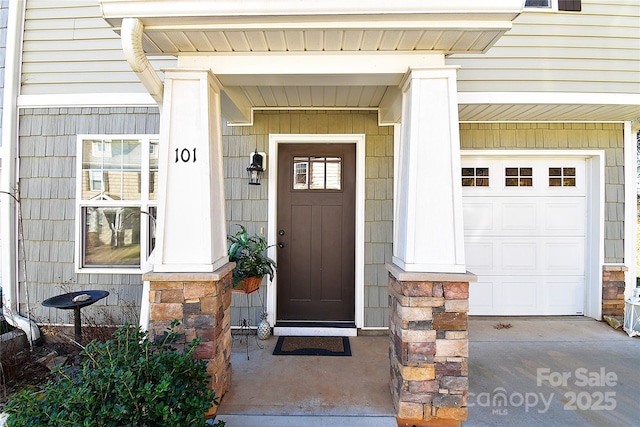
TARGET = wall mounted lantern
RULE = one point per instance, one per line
(256, 168)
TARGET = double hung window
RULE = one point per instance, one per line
(116, 202)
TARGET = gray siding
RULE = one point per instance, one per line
(69, 48)
(595, 50)
(247, 205)
(47, 149)
(609, 137)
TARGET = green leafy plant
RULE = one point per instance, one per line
(126, 381)
(249, 254)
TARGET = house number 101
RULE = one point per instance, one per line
(185, 155)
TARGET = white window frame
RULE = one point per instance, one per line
(143, 204)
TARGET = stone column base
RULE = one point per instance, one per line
(429, 347)
(202, 304)
(613, 286)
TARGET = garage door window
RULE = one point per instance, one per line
(562, 177)
(475, 177)
(518, 177)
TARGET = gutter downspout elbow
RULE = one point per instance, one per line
(131, 36)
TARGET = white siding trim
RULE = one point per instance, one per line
(631, 207)
(87, 100)
(359, 141)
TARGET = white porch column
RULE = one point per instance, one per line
(191, 220)
(429, 235)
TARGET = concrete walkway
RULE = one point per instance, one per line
(568, 371)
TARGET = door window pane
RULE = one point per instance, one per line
(317, 173)
(301, 173)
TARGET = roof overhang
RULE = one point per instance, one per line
(454, 26)
(351, 54)
(548, 107)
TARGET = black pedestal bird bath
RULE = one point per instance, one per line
(75, 301)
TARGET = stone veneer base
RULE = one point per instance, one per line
(613, 286)
(202, 304)
(429, 347)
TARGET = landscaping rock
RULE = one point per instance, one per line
(57, 361)
(616, 322)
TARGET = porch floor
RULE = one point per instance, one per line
(269, 390)
(354, 386)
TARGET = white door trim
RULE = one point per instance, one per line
(272, 158)
(595, 162)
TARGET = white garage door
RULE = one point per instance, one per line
(525, 221)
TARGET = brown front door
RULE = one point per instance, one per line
(316, 232)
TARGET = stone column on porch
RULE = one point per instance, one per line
(191, 278)
(202, 303)
(428, 281)
(429, 346)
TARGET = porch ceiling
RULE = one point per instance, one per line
(281, 54)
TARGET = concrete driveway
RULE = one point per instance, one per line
(559, 371)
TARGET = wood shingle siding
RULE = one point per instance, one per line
(47, 149)
(594, 50)
(68, 48)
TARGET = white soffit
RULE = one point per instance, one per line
(173, 27)
(537, 106)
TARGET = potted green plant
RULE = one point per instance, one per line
(252, 263)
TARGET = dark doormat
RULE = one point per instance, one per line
(312, 346)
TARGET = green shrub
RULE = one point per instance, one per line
(126, 381)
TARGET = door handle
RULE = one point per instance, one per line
(281, 245)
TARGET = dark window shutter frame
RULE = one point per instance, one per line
(570, 5)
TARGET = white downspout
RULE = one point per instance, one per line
(9, 172)
(131, 37)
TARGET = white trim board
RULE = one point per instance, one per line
(86, 100)
(359, 141)
(314, 331)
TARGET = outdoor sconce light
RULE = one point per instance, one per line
(256, 169)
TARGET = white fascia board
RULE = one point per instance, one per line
(548, 98)
(86, 100)
(196, 8)
(305, 63)
(411, 22)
